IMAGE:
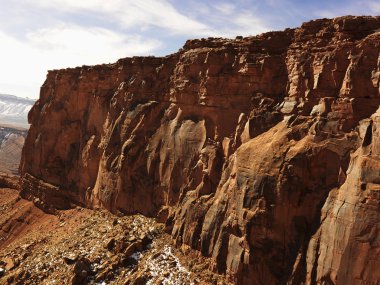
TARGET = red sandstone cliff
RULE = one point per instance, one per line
(262, 152)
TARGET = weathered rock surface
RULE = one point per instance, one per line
(262, 152)
(71, 247)
(9, 181)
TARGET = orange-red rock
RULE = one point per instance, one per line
(260, 152)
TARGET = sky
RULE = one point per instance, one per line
(40, 35)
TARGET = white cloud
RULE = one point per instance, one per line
(351, 8)
(225, 8)
(197, 8)
(249, 24)
(16, 71)
(133, 14)
(229, 20)
(240, 24)
(90, 45)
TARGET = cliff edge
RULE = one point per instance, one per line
(261, 152)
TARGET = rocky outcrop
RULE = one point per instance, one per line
(259, 152)
(348, 236)
(9, 181)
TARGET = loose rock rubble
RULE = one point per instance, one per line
(259, 152)
(82, 246)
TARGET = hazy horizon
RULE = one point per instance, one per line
(41, 35)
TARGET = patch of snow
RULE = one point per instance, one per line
(14, 109)
(169, 264)
(136, 256)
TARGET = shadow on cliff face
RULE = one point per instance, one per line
(238, 145)
(83, 246)
(350, 217)
(267, 205)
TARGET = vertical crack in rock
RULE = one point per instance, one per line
(260, 152)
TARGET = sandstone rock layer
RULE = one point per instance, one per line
(262, 152)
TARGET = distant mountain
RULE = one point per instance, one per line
(14, 110)
(11, 142)
(13, 129)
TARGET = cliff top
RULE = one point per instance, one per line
(345, 28)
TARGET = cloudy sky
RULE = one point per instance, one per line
(38, 35)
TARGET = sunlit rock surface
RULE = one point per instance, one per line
(261, 153)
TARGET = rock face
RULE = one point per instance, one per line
(262, 152)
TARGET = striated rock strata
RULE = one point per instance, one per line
(261, 152)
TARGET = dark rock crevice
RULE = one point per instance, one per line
(245, 148)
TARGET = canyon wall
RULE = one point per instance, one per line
(261, 152)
